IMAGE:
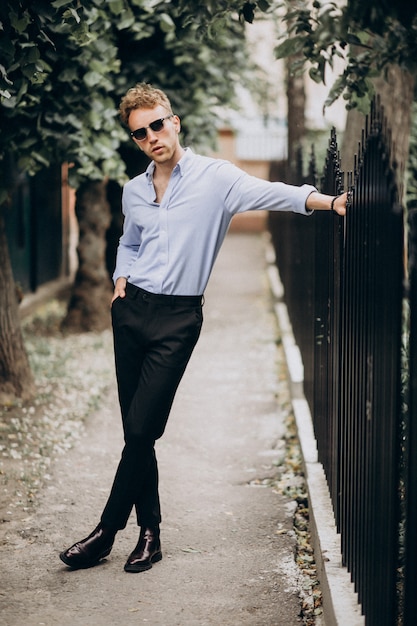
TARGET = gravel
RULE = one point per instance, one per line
(68, 389)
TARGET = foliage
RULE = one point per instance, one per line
(368, 37)
(202, 59)
(65, 64)
(57, 72)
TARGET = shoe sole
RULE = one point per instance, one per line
(135, 569)
(84, 564)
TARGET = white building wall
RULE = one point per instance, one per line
(261, 129)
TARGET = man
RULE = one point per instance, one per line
(176, 216)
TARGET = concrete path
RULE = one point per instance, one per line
(225, 560)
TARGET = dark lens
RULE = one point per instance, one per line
(156, 125)
(139, 134)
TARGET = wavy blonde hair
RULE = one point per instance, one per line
(142, 96)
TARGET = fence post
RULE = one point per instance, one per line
(327, 307)
(410, 546)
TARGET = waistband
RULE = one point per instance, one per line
(161, 298)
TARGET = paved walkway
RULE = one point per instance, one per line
(225, 560)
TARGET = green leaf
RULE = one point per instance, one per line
(74, 14)
(117, 7)
(91, 79)
(290, 47)
(32, 54)
(68, 74)
(336, 91)
(58, 4)
(20, 24)
(264, 5)
(127, 21)
(4, 76)
(353, 40)
(315, 75)
(166, 23)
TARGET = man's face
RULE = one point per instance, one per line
(161, 145)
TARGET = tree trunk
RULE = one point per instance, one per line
(89, 306)
(296, 100)
(355, 123)
(16, 379)
(396, 93)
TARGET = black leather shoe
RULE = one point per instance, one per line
(89, 551)
(147, 551)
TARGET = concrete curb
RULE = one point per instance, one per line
(340, 602)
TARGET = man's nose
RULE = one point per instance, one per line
(152, 136)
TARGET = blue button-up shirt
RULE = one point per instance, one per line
(170, 248)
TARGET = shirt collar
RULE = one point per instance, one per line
(181, 165)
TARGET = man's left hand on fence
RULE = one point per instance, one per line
(322, 202)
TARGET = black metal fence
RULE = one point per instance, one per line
(344, 287)
(34, 229)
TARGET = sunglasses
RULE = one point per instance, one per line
(141, 133)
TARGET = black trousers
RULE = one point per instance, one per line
(154, 336)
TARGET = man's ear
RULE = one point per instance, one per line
(177, 123)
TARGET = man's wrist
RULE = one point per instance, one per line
(332, 203)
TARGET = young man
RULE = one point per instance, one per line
(176, 216)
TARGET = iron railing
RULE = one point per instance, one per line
(409, 437)
(346, 308)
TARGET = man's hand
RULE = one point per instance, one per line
(339, 204)
(322, 202)
(119, 288)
